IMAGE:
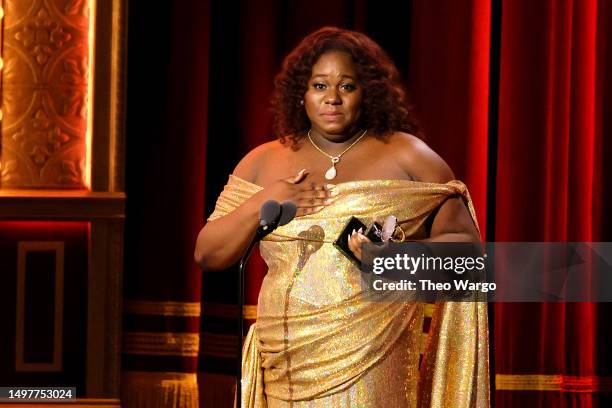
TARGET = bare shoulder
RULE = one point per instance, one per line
(248, 168)
(418, 160)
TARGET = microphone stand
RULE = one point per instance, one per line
(243, 261)
(272, 215)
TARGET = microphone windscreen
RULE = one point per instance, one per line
(288, 211)
(269, 212)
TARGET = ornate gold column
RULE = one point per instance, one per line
(45, 82)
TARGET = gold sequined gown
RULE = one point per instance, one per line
(322, 340)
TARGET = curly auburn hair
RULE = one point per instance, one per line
(384, 108)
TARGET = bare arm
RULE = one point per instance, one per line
(452, 221)
(222, 242)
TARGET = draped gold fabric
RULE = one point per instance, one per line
(323, 340)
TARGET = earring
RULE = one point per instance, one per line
(302, 102)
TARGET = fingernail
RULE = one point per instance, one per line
(333, 193)
(353, 233)
(360, 230)
(329, 201)
(330, 186)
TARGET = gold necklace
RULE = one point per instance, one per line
(330, 174)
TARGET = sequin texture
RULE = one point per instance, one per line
(322, 340)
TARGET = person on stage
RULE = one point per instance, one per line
(347, 147)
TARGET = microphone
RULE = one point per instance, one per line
(273, 215)
(269, 214)
(288, 211)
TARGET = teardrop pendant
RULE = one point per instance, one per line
(330, 174)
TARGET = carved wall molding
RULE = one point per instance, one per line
(62, 149)
(45, 47)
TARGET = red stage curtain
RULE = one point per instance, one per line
(550, 186)
(166, 142)
(449, 82)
